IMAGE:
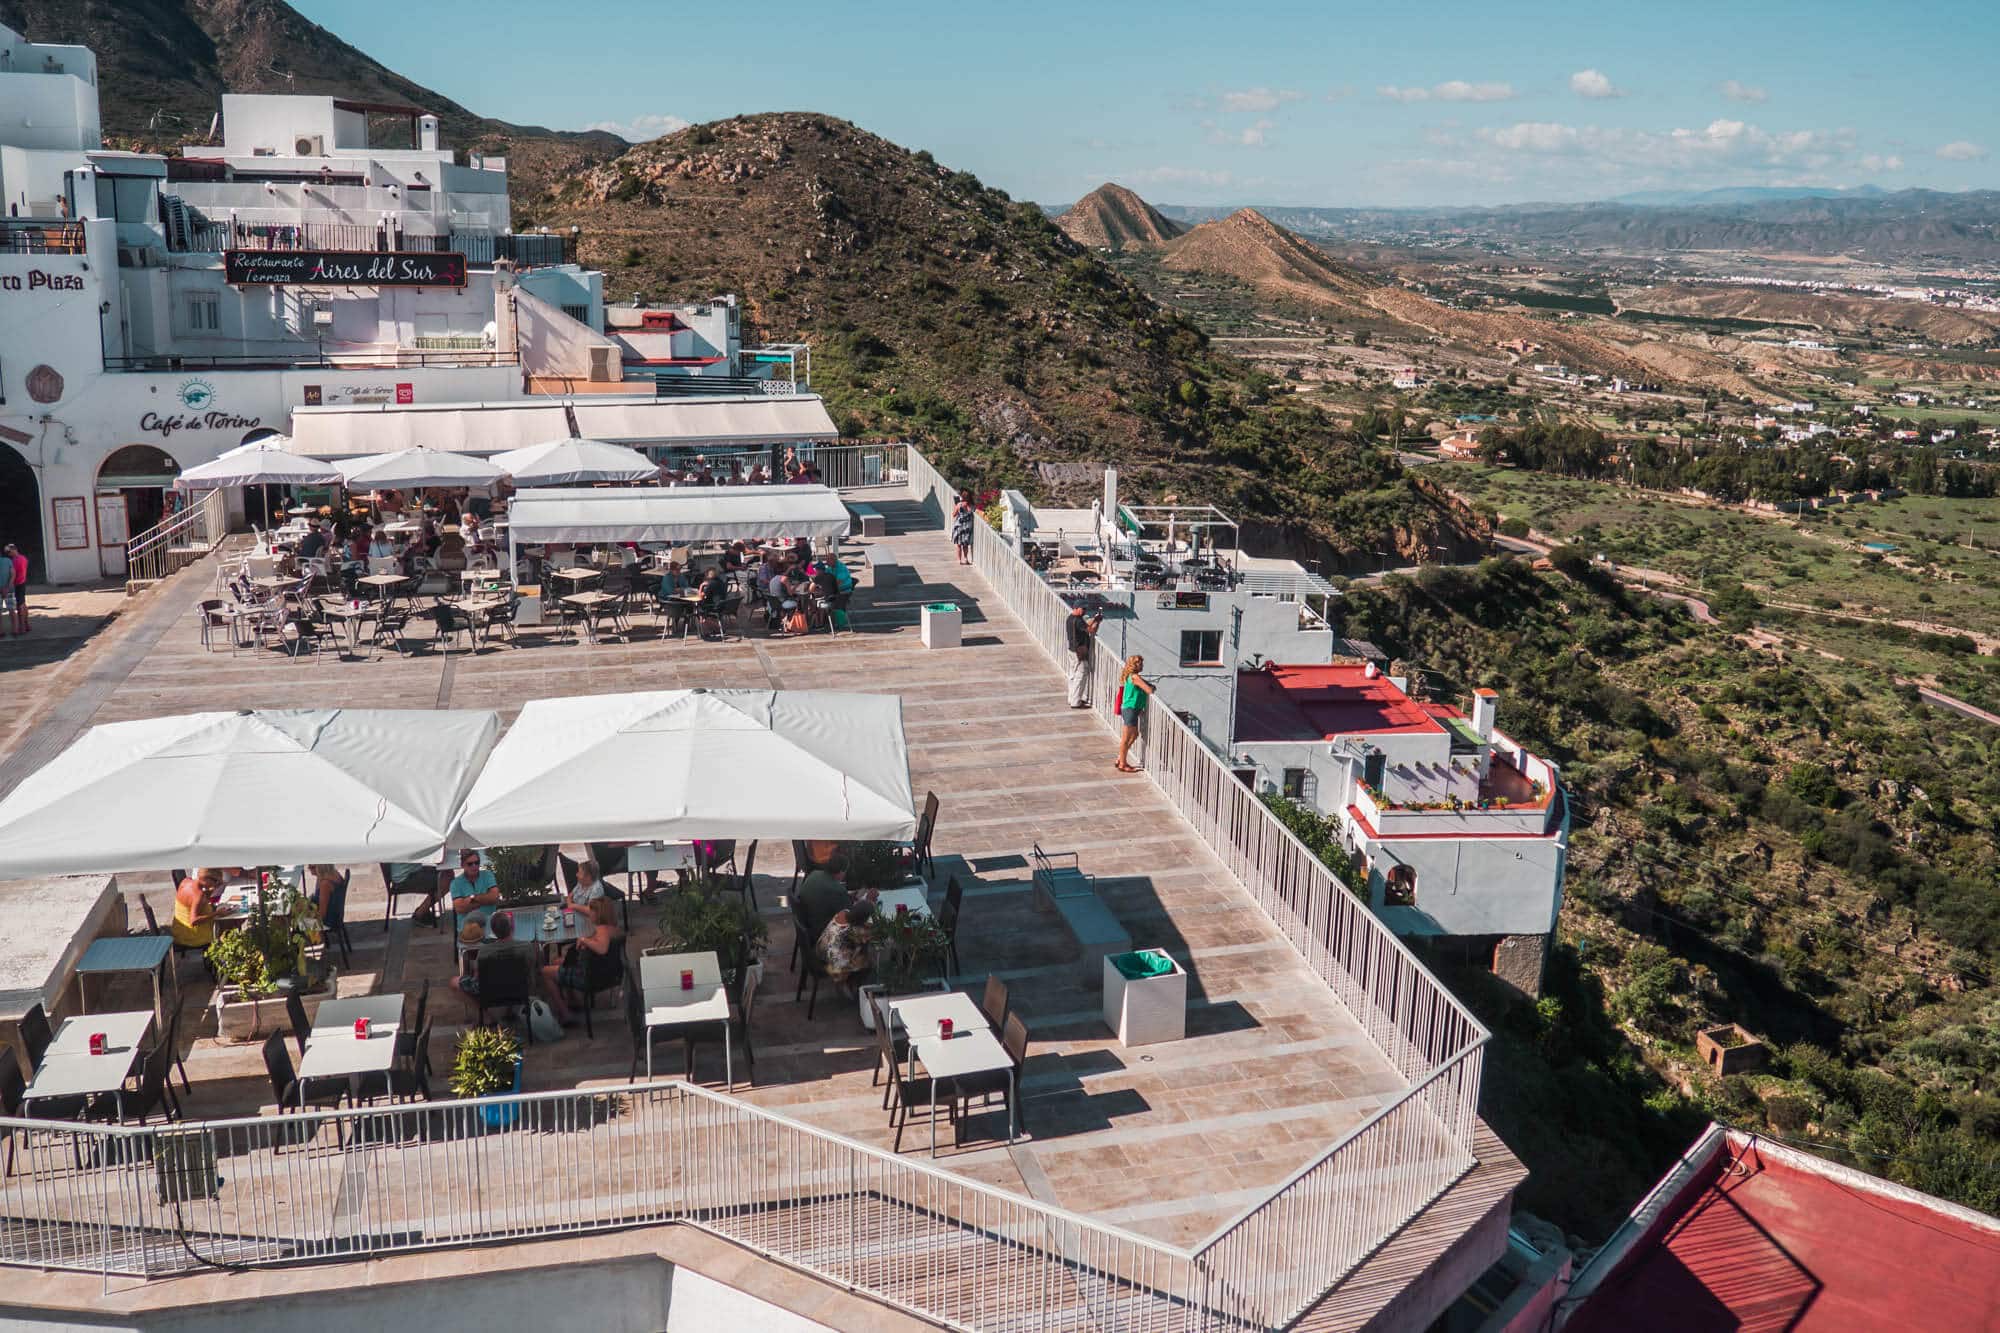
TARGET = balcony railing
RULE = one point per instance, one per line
(37, 236)
(177, 539)
(388, 358)
(482, 249)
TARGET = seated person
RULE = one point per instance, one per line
(499, 943)
(824, 895)
(379, 545)
(313, 543)
(474, 892)
(194, 909)
(389, 504)
(768, 570)
(326, 882)
(673, 580)
(421, 874)
(710, 607)
(733, 558)
(844, 944)
(589, 886)
(757, 477)
(570, 974)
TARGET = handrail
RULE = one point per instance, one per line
(205, 522)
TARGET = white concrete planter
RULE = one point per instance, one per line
(943, 625)
(1145, 1010)
(241, 1019)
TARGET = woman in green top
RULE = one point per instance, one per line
(1131, 703)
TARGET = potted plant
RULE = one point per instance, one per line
(909, 956)
(488, 1061)
(266, 957)
(693, 920)
(874, 865)
(523, 874)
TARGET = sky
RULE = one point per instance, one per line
(1331, 104)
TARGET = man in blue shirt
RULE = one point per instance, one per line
(474, 892)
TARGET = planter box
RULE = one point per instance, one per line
(1144, 1010)
(239, 1019)
(943, 625)
(1729, 1049)
(499, 1114)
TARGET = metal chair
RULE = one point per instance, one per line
(920, 846)
(420, 883)
(333, 926)
(506, 982)
(993, 1004)
(290, 1096)
(903, 1093)
(295, 1010)
(1014, 1040)
(948, 915)
(35, 1034)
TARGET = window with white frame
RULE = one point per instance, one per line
(1201, 647)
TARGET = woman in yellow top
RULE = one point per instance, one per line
(194, 909)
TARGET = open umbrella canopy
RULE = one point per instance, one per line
(267, 462)
(270, 788)
(575, 462)
(408, 468)
(696, 763)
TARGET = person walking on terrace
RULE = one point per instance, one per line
(1079, 630)
(1137, 693)
(961, 530)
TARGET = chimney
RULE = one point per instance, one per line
(427, 133)
(1369, 671)
(1485, 703)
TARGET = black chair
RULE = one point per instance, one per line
(156, 1093)
(746, 882)
(295, 1010)
(802, 863)
(419, 883)
(409, 1077)
(905, 1093)
(450, 621)
(948, 915)
(173, 1043)
(891, 1059)
(333, 926)
(801, 933)
(601, 972)
(35, 1034)
(406, 1039)
(993, 1004)
(920, 846)
(290, 1096)
(721, 854)
(391, 623)
(811, 966)
(997, 1083)
(506, 981)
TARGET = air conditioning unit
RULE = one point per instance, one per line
(309, 145)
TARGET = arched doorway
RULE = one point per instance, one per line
(1400, 890)
(21, 510)
(135, 490)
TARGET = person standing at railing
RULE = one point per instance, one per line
(961, 530)
(1137, 694)
(1080, 630)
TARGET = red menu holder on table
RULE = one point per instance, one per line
(361, 1029)
(97, 1043)
(902, 910)
(687, 979)
(944, 1028)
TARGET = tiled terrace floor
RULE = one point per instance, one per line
(1166, 1140)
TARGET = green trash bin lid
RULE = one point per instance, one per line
(942, 606)
(1142, 963)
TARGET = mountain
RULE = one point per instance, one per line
(163, 66)
(1111, 217)
(942, 311)
(1742, 194)
(1251, 248)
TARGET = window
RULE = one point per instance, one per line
(1201, 647)
(1401, 890)
(204, 314)
(1295, 783)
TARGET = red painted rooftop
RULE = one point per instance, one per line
(1312, 703)
(1770, 1238)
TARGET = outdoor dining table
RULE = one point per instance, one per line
(531, 927)
(910, 897)
(273, 582)
(110, 955)
(668, 1005)
(349, 618)
(68, 1069)
(332, 1049)
(968, 1050)
(381, 583)
(592, 603)
(574, 574)
(658, 856)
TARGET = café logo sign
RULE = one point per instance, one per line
(198, 396)
(364, 268)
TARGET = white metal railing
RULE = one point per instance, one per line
(844, 466)
(1330, 1215)
(168, 544)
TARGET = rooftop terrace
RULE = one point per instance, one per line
(1164, 1143)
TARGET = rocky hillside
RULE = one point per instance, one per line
(940, 310)
(1251, 248)
(163, 66)
(1857, 315)
(1111, 217)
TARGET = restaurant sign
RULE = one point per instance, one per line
(361, 268)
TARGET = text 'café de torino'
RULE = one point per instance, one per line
(156, 311)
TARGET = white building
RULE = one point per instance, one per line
(1457, 828)
(155, 312)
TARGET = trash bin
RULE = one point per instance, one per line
(1145, 997)
(943, 624)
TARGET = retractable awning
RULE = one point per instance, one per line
(492, 428)
(680, 514)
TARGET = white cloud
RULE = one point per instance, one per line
(1259, 99)
(1881, 162)
(1590, 83)
(1454, 90)
(641, 128)
(1250, 136)
(1962, 150)
(1743, 92)
(1722, 142)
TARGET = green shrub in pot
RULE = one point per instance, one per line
(484, 1063)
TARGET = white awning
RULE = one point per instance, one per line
(681, 514)
(492, 428)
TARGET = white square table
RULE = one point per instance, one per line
(921, 1013)
(667, 1005)
(332, 1049)
(970, 1050)
(911, 896)
(68, 1068)
(377, 1009)
(659, 856)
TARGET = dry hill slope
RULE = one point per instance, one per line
(1251, 248)
(1822, 310)
(163, 66)
(941, 311)
(1111, 217)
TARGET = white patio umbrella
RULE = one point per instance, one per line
(407, 469)
(266, 462)
(270, 788)
(696, 763)
(575, 462)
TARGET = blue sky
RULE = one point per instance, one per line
(1333, 104)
